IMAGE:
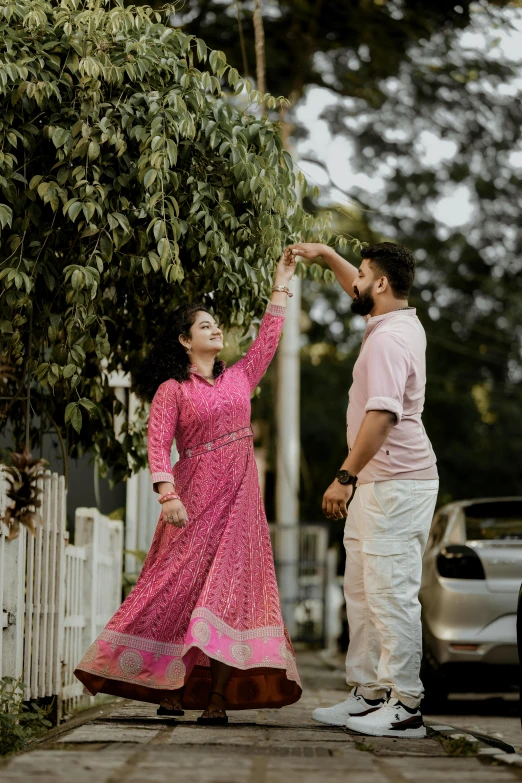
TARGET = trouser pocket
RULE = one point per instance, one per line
(385, 563)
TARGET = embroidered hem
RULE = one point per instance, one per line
(159, 665)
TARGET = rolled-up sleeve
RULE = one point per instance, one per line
(388, 367)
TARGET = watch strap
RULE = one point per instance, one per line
(345, 477)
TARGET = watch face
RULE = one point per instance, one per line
(343, 477)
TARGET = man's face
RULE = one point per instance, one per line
(364, 302)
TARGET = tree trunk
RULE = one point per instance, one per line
(259, 37)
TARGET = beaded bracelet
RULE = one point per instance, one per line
(168, 496)
(283, 288)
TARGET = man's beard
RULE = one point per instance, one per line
(363, 304)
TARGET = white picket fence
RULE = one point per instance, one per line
(56, 597)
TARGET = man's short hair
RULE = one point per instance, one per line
(395, 262)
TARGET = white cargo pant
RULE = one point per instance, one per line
(385, 537)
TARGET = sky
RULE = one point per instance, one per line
(455, 209)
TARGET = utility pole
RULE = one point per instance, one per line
(287, 412)
(288, 459)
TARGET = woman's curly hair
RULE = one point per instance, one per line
(167, 358)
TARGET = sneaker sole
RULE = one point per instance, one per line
(342, 721)
(331, 721)
(398, 734)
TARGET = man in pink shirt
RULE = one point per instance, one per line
(391, 463)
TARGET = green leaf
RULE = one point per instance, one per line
(149, 177)
(76, 419)
(163, 249)
(89, 405)
(69, 410)
(68, 372)
(35, 181)
(201, 49)
(94, 150)
(6, 215)
(60, 136)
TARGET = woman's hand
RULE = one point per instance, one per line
(285, 268)
(173, 513)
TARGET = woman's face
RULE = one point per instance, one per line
(205, 335)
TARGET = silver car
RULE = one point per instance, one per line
(471, 579)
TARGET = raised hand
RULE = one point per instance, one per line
(308, 250)
(345, 272)
(285, 268)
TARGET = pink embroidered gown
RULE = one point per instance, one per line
(208, 590)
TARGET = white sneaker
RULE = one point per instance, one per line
(339, 713)
(390, 720)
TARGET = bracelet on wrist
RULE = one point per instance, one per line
(283, 289)
(168, 496)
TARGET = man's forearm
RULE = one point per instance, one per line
(375, 428)
(345, 272)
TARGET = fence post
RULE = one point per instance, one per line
(86, 533)
(116, 534)
(57, 661)
(14, 606)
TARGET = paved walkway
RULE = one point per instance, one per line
(126, 742)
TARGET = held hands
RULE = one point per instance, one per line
(336, 500)
(308, 250)
(173, 513)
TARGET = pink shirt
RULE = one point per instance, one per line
(390, 375)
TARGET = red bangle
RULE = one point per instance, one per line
(168, 496)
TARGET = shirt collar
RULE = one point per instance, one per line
(377, 319)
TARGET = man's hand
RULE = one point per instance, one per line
(345, 273)
(309, 250)
(336, 499)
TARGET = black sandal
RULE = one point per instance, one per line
(167, 711)
(210, 721)
(171, 711)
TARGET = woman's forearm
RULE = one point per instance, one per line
(279, 298)
(164, 487)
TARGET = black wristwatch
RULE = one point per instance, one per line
(345, 477)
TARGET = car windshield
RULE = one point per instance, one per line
(494, 521)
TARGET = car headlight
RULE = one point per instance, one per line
(459, 562)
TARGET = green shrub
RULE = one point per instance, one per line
(19, 723)
(129, 183)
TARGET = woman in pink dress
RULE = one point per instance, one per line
(202, 628)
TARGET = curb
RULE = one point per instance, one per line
(488, 747)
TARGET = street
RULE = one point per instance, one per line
(125, 742)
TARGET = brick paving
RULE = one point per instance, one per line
(127, 743)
